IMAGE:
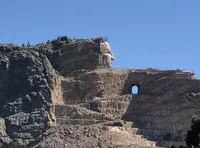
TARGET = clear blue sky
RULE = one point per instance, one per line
(161, 34)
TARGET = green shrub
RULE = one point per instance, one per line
(39, 146)
(173, 146)
(16, 145)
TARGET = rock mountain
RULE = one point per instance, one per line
(64, 93)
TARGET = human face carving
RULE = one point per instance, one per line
(108, 56)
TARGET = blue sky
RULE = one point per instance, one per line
(162, 34)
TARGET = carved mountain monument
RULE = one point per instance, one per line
(65, 93)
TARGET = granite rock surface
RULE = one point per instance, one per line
(64, 93)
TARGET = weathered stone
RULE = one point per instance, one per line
(25, 93)
(64, 92)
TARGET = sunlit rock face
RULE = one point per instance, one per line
(107, 55)
(82, 54)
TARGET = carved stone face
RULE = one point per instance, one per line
(108, 56)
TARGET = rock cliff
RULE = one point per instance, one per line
(64, 93)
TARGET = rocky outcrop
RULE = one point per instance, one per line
(64, 92)
(82, 54)
(25, 93)
(30, 86)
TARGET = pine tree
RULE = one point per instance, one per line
(28, 45)
(192, 138)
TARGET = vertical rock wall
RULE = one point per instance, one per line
(25, 94)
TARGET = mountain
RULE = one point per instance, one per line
(65, 93)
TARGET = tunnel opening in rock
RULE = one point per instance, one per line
(134, 89)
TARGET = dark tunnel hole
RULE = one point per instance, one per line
(134, 89)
